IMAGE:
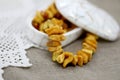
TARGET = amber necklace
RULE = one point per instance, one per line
(51, 23)
(83, 56)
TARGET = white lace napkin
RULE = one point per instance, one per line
(12, 46)
(13, 43)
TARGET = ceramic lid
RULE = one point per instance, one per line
(89, 17)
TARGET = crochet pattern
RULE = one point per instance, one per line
(13, 41)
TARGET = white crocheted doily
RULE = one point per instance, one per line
(13, 42)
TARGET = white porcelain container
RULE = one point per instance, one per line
(40, 38)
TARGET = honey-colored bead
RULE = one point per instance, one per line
(57, 21)
(91, 43)
(38, 18)
(53, 9)
(57, 37)
(68, 58)
(52, 31)
(53, 43)
(65, 58)
(92, 39)
(88, 52)
(56, 54)
(60, 58)
(93, 35)
(53, 49)
(75, 60)
(50, 14)
(87, 46)
(84, 55)
(80, 60)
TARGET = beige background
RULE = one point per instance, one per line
(105, 64)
